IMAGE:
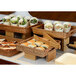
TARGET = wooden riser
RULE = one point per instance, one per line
(12, 35)
(64, 44)
(51, 55)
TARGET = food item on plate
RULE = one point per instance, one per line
(67, 26)
(45, 46)
(14, 21)
(48, 26)
(7, 45)
(40, 48)
(59, 28)
(47, 21)
(23, 22)
(38, 43)
(32, 45)
(6, 20)
(33, 21)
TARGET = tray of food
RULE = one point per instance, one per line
(37, 46)
(8, 46)
(56, 29)
(18, 23)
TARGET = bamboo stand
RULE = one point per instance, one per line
(64, 44)
(9, 34)
(50, 56)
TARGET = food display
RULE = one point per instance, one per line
(33, 21)
(67, 27)
(7, 45)
(6, 20)
(14, 21)
(48, 26)
(36, 44)
(19, 20)
(57, 26)
(23, 22)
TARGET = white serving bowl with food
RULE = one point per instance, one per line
(14, 21)
(67, 27)
(33, 21)
(59, 28)
(48, 26)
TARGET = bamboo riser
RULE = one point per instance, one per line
(11, 34)
(51, 55)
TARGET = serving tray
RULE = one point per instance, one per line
(9, 52)
(39, 29)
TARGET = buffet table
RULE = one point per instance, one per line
(20, 58)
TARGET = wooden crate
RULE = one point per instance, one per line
(32, 53)
(10, 52)
(39, 29)
(11, 30)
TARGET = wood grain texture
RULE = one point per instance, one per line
(6, 12)
(55, 15)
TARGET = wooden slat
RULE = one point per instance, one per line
(55, 15)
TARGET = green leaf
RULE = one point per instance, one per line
(34, 21)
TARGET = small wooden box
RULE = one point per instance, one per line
(10, 30)
(9, 52)
(39, 29)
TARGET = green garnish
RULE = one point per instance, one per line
(34, 21)
(3, 19)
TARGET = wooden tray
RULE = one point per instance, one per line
(39, 30)
(34, 51)
(10, 30)
(10, 52)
